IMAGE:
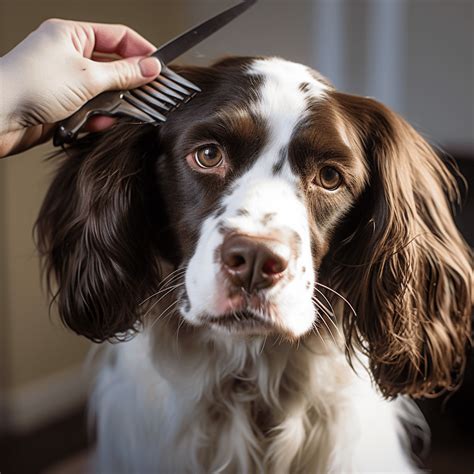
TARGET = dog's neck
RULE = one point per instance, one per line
(196, 360)
(256, 383)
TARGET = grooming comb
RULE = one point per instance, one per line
(152, 102)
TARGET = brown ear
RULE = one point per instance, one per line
(97, 229)
(404, 265)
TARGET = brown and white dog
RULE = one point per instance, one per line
(285, 257)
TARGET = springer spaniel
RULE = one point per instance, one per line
(280, 262)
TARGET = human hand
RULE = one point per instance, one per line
(54, 71)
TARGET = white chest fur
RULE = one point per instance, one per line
(192, 404)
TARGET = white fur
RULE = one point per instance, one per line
(182, 398)
(169, 403)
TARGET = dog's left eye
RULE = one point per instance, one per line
(208, 156)
(329, 178)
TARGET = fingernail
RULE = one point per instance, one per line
(149, 67)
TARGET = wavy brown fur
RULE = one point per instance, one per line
(406, 268)
(102, 270)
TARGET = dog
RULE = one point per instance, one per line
(281, 267)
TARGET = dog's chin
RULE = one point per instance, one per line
(245, 323)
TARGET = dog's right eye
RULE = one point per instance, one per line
(329, 178)
(208, 156)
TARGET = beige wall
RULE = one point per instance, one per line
(33, 345)
(36, 344)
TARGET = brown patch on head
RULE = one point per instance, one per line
(320, 141)
(244, 123)
(222, 113)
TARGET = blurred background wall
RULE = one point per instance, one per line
(414, 55)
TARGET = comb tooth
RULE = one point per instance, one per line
(134, 112)
(165, 90)
(172, 85)
(142, 95)
(158, 95)
(170, 74)
(144, 107)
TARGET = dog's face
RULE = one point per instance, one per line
(263, 191)
(264, 171)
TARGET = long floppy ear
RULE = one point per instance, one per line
(403, 263)
(97, 231)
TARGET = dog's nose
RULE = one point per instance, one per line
(252, 263)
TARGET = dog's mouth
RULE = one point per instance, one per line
(243, 321)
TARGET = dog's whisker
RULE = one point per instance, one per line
(333, 313)
(315, 327)
(321, 306)
(177, 271)
(181, 322)
(169, 276)
(163, 313)
(324, 310)
(175, 274)
(335, 326)
(170, 290)
(328, 328)
(165, 282)
(329, 313)
(340, 296)
(166, 288)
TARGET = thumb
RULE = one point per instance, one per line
(128, 73)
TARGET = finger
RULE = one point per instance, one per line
(119, 39)
(98, 123)
(126, 73)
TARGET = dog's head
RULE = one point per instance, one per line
(264, 191)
